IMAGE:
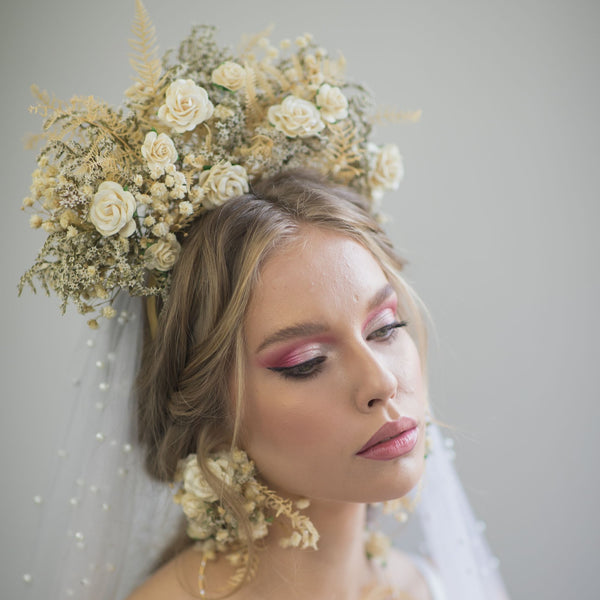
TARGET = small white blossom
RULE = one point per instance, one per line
(186, 208)
(378, 545)
(223, 112)
(159, 191)
(177, 193)
(108, 312)
(35, 221)
(160, 229)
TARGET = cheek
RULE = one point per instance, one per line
(277, 422)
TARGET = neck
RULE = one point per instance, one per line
(338, 570)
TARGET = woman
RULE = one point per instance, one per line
(281, 390)
(301, 289)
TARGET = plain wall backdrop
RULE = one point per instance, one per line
(498, 216)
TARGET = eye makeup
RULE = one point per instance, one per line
(295, 353)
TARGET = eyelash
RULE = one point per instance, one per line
(312, 367)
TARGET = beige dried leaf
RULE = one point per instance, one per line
(144, 58)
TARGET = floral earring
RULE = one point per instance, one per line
(214, 525)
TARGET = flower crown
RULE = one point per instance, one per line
(116, 188)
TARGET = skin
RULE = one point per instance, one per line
(304, 432)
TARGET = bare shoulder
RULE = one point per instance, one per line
(178, 579)
(175, 580)
(404, 574)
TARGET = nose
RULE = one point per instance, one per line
(376, 383)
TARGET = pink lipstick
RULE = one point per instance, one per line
(394, 439)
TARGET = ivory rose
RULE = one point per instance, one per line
(296, 117)
(386, 169)
(222, 182)
(112, 210)
(230, 75)
(332, 103)
(186, 105)
(162, 255)
(159, 151)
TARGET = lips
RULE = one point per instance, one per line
(388, 431)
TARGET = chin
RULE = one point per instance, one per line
(399, 483)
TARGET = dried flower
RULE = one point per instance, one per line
(332, 103)
(186, 106)
(222, 182)
(112, 210)
(229, 75)
(377, 546)
(163, 254)
(108, 312)
(113, 201)
(35, 221)
(159, 151)
(186, 208)
(296, 117)
(387, 169)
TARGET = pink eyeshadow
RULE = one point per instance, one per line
(391, 305)
(295, 354)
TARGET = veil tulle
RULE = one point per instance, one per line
(104, 523)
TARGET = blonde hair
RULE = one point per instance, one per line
(189, 368)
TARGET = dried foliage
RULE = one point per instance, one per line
(115, 187)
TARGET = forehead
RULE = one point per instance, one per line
(317, 276)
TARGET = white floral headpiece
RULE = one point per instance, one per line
(115, 187)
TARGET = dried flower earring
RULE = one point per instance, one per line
(214, 525)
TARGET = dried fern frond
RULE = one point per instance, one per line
(264, 83)
(252, 108)
(249, 42)
(343, 150)
(392, 115)
(277, 75)
(46, 104)
(144, 59)
(334, 70)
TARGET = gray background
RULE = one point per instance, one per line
(498, 216)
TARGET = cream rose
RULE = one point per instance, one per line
(222, 182)
(159, 151)
(186, 105)
(230, 75)
(332, 103)
(387, 169)
(191, 505)
(194, 483)
(112, 210)
(162, 255)
(296, 117)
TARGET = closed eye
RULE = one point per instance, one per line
(303, 370)
(387, 332)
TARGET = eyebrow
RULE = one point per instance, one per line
(315, 328)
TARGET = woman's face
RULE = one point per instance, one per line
(329, 363)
